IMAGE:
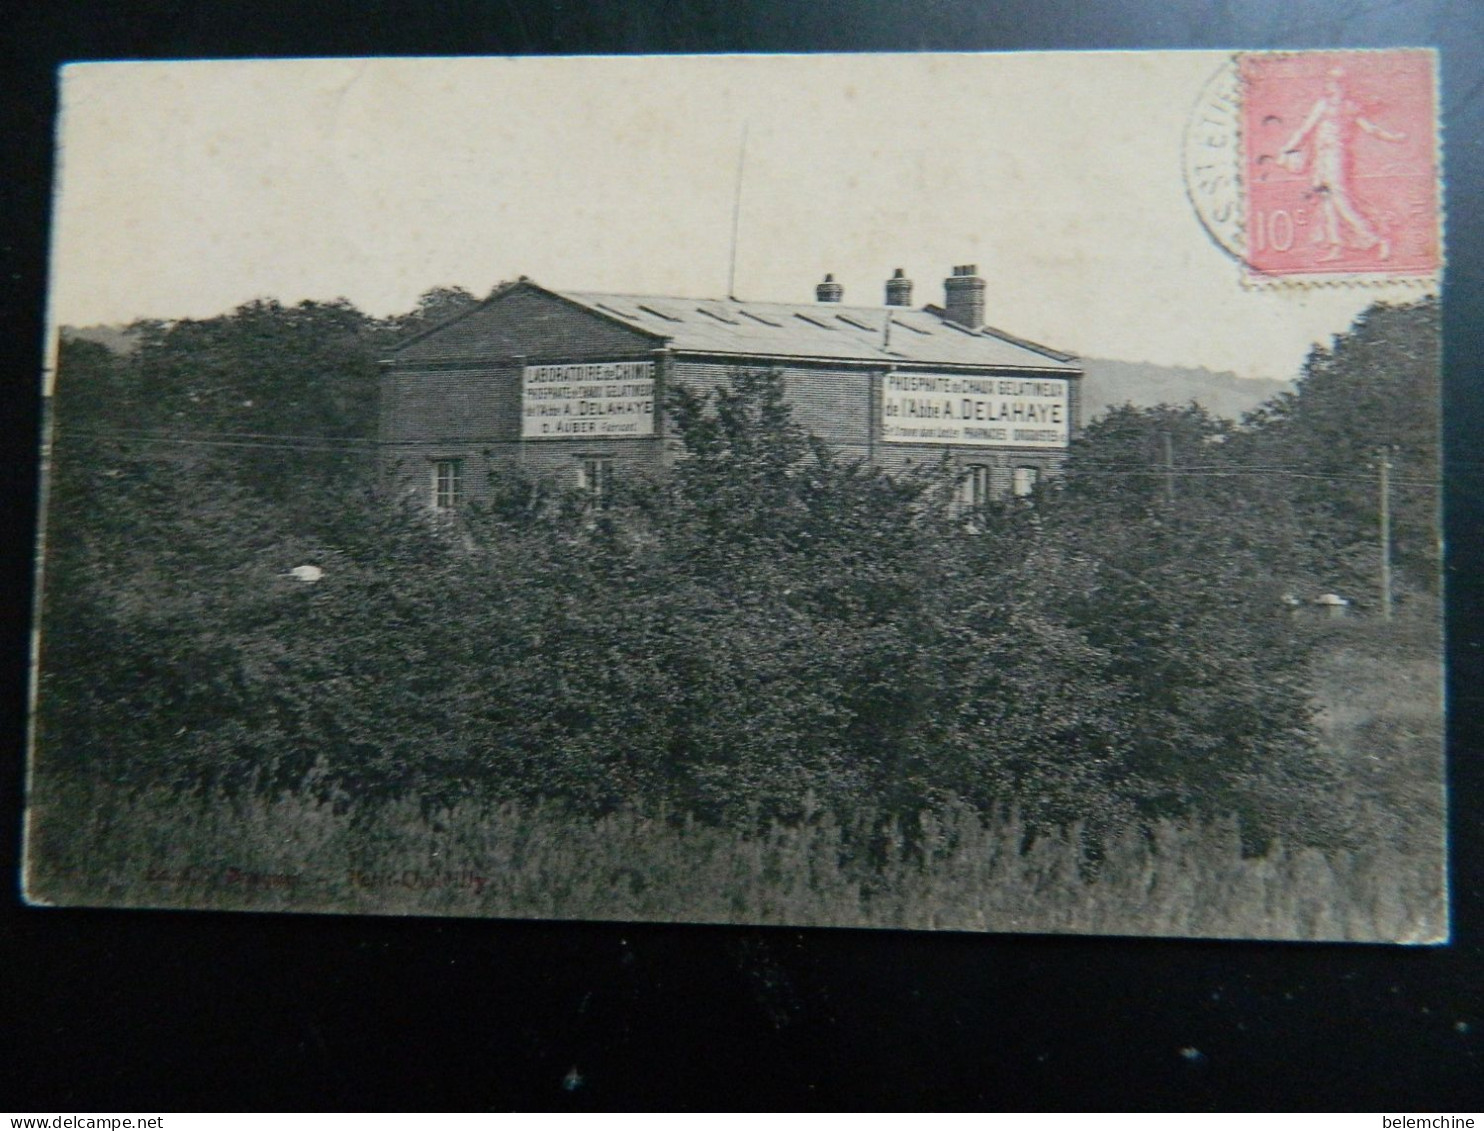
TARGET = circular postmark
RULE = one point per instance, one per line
(1211, 157)
(1319, 167)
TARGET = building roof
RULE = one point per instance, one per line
(820, 330)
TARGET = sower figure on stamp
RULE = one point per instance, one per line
(1329, 130)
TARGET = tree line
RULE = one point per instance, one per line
(766, 632)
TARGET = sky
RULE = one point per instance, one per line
(188, 188)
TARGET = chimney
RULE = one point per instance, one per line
(964, 297)
(829, 290)
(898, 289)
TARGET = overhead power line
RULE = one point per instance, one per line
(351, 445)
(149, 434)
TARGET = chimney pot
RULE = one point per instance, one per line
(899, 289)
(829, 290)
(964, 297)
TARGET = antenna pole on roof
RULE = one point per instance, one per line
(736, 216)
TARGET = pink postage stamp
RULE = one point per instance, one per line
(1339, 159)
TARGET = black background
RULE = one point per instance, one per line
(151, 1011)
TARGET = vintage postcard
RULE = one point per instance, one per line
(967, 492)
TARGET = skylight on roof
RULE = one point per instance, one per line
(720, 317)
(661, 314)
(813, 321)
(914, 329)
(616, 310)
(856, 322)
(759, 318)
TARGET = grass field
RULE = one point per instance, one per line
(1378, 691)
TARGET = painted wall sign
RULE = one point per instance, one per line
(593, 400)
(992, 412)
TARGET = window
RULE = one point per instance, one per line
(448, 484)
(621, 312)
(758, 318)
(813, 321)
(718, 315)
(1024, 480)
(595, 476)
(973, 489)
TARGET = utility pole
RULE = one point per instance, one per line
(1169, 469)
(1385, 488)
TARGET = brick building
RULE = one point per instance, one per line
(570, 384)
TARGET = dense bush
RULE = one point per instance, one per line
(768, 632)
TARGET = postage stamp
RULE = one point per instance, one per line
(1321, 166)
